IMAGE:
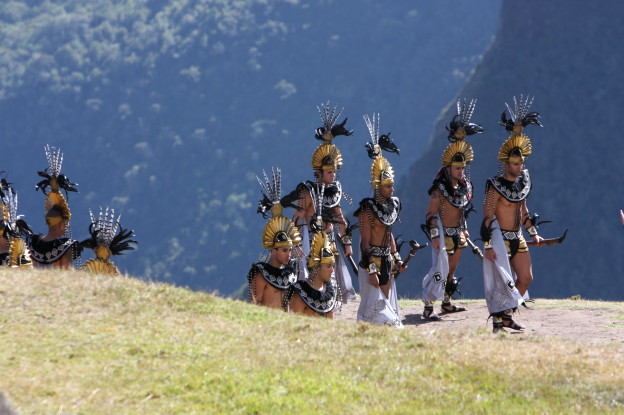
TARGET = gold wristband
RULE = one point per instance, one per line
(532, 230)
(372, 268)
(396, 256)
(434, 233)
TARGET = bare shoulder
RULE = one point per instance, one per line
(296, 304)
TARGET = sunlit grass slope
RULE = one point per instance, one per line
(79, 344)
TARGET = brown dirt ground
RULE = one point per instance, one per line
(582, 326)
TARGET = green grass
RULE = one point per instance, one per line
(79, 344)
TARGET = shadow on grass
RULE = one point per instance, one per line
(418, 319)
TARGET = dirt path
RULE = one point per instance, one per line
(583, 326)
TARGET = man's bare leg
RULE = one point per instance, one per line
(446, 303)
(521, 263)
(453, 261)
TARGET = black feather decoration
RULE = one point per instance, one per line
(340, 129)
(290, 200)
(122, 242)
(62, 180)
(386, 143)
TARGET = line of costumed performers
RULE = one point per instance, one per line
(21, 247)
(307, 268)
(307, 263)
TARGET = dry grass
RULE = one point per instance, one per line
(74, 344)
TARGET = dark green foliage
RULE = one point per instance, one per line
(166, 110)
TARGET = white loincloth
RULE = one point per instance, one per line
(305, 247)
(498, 278)
(343, 277)
(435, 281)
(375, 308)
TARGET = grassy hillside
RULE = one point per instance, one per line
(73, 343)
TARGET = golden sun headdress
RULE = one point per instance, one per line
(327, 156)
(459, 152)
(320, 251)
(280, 231)
(381, 170)
(108, 238)
(55, 181)
(518, 146)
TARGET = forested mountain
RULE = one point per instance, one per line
(166, 110)
(568, 54)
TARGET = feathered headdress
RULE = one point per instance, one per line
(381, 170)
(518, 146)
(271, 195)
(329, 130)
(12, 226)
(279, 231)
(461, 126)
(108, 238)
(460, 152)
(327, 156)
(520, 115)
(320, 251)
(4, 186)
(55, 181)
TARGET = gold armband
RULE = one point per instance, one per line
(434, 233)
(487, 245)
(346, 240)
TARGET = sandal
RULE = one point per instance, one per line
(428, 313)
(497, 324)
(510, 324)
(452, 308)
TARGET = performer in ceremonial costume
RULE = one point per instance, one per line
(56, 249)
(13, 250)
(379, 257)
(268, 280)
(451, 194)
(507, 268)
(317, 295)
(108, 238)
(319, 201)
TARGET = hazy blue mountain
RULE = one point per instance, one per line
(166, 110)
(568, 54)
